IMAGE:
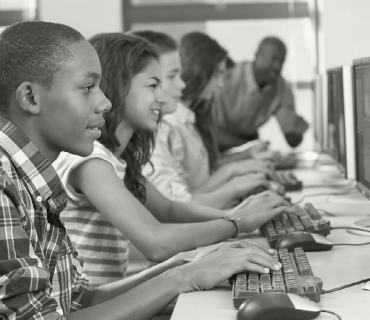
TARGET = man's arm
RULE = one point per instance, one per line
(227, 139)
(292, 125)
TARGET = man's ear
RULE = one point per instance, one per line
(27, 98)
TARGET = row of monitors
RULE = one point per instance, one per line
(342, 119)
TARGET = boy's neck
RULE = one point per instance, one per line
(24, 126)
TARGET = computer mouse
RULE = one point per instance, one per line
(306, 240)
(278, 306)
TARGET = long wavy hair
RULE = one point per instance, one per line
(200, 56)
(122, 57)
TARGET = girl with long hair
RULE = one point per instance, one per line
(111, 203)
(185, 157)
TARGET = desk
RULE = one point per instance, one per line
(340, 266)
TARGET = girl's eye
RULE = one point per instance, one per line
(88, 88)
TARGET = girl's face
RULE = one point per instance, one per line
(172, 84)
(216, 82)
(145, 99)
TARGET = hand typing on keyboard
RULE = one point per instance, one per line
(259, 209)
(219, 265)
(245, 184)
(202, 252)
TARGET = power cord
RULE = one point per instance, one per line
(350, 244)
(333, 313)
(330, 185)
(324, 194)
(345, 286)
(326, 212)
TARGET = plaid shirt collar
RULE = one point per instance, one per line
(41, 178)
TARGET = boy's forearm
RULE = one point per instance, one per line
(141, 302)
(111, 290)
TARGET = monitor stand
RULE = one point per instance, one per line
(352, 198)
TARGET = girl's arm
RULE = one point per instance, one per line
(168, 211)
(97, 180)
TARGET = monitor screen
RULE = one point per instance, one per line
(361, 72)
(336, 144)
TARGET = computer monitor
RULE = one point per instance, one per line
(318, 113)
(361, 73)
(340, 122)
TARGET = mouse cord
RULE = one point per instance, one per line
(324, 194)
(350, 184)
(333, 313)
(345, 286)
(350, 244)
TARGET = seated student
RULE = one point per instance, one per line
(51, 102)
(181, 159)
(255, 91)
(110, 202)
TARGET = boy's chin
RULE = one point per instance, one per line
(84, 151)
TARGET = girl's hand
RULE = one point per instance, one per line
(259, 209)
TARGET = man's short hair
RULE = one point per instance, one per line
(162, 41)
(275, 41)
(32, 51)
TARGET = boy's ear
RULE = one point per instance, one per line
(27, 98)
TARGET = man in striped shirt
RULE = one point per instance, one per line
(50, 101)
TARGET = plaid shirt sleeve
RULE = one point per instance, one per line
(25, 288)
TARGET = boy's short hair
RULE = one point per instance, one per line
(32, 51)
(162, 41)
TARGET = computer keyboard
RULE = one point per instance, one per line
(284, 161)
(295, 276)
(287, 179)
(307, 219)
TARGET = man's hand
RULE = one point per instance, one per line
(300, 125)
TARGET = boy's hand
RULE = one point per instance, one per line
(219, 266)
(202, 252)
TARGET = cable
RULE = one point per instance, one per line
(330, 185)
(326, 212)
(351, 244)
(333, 313)
(323, 194)
(349, 228)
(345, 286)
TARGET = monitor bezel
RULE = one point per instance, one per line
(342, 169)
(359, 185)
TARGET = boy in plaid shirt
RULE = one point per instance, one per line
(50, 101)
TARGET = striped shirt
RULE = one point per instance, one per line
(102, 246)
(180, 158)
(40, 275)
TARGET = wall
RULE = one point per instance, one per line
(346, 28)
(87, 16)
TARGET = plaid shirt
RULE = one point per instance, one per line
(40, 275)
